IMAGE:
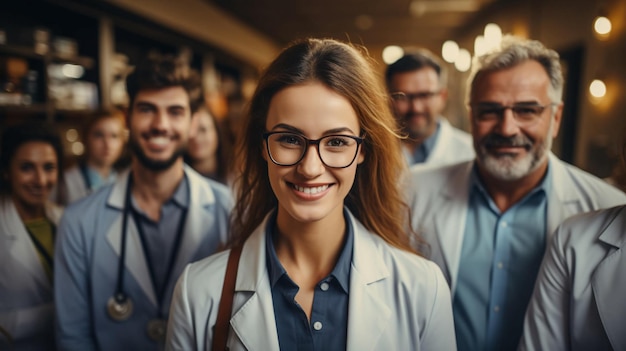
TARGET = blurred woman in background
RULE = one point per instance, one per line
(30, 167)
(104, 137)
(206, 151)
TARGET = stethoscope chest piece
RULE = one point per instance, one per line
(119, 309)
(156, 329)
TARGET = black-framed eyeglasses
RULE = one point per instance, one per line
(335, 151)
(524, 114)
(400, 97)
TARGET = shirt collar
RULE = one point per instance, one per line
(180, 197)
(429, 144)
(543, 186)
(341, 272)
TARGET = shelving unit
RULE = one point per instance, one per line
(99, 32)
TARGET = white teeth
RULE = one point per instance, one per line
(313, 190)
(159, 140)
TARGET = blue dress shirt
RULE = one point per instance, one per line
(500, 258)
(420, 155)
(95, 180)
(328, 327)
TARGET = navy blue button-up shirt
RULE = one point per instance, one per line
(328, 327)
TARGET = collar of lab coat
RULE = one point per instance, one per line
(201, 198)
(15, 239)
(608, 280)
(563, 201)
(368, 315)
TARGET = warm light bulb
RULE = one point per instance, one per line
(71, 135)
(602, 25)
(493, 36)
(463, 61)
(450, 51)
(78, 148)
(392, 53)
(480, 47)
(597, 88)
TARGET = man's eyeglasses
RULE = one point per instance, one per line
(335, 151)
(405, 98)
(524, 114)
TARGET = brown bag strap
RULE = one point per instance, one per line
(220, 331)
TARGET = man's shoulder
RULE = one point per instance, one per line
(206, 188)
(95, 200)
(588, 184)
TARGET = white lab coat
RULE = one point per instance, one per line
(26, 303)
(398, 301)
(578, 302)
(452, 146)
(439, 198)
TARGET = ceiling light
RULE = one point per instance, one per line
(597, 88)
(392, 53)
(449, 51)
(463, 61)
(602, 25)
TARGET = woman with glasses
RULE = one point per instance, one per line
(30, 162)
(326, 262)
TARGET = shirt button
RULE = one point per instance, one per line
(324, 286)
(496, 309)
(317, 325)
(500, 265)
(504, 224)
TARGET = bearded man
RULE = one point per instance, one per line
(121, 249)
(487, 221)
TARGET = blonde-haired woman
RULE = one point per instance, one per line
(325, 263)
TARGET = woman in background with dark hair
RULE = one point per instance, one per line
(205, 152)
(326, 262)
(30, 166)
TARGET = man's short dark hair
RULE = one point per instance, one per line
(159, 72)
(413, 61)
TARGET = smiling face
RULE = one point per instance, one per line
(418, 115)
(160, 124)
(309, 191)
(33, 172)
(505, 149)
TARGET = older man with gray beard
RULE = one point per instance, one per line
(487, 220)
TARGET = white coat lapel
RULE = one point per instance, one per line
(198, 219)
(609, 283)
(450, 217)
(564, 200)
(368, 315)
(19, 245)
(135, 260)
(253, 311)
(440, 152)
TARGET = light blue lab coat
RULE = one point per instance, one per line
(87, 255)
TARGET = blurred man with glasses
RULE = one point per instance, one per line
(417, 87)
(487, 221)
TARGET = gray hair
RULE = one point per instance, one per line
(513, 51)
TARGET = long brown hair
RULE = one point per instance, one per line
(375, 197)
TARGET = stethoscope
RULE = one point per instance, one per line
(120, 305)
